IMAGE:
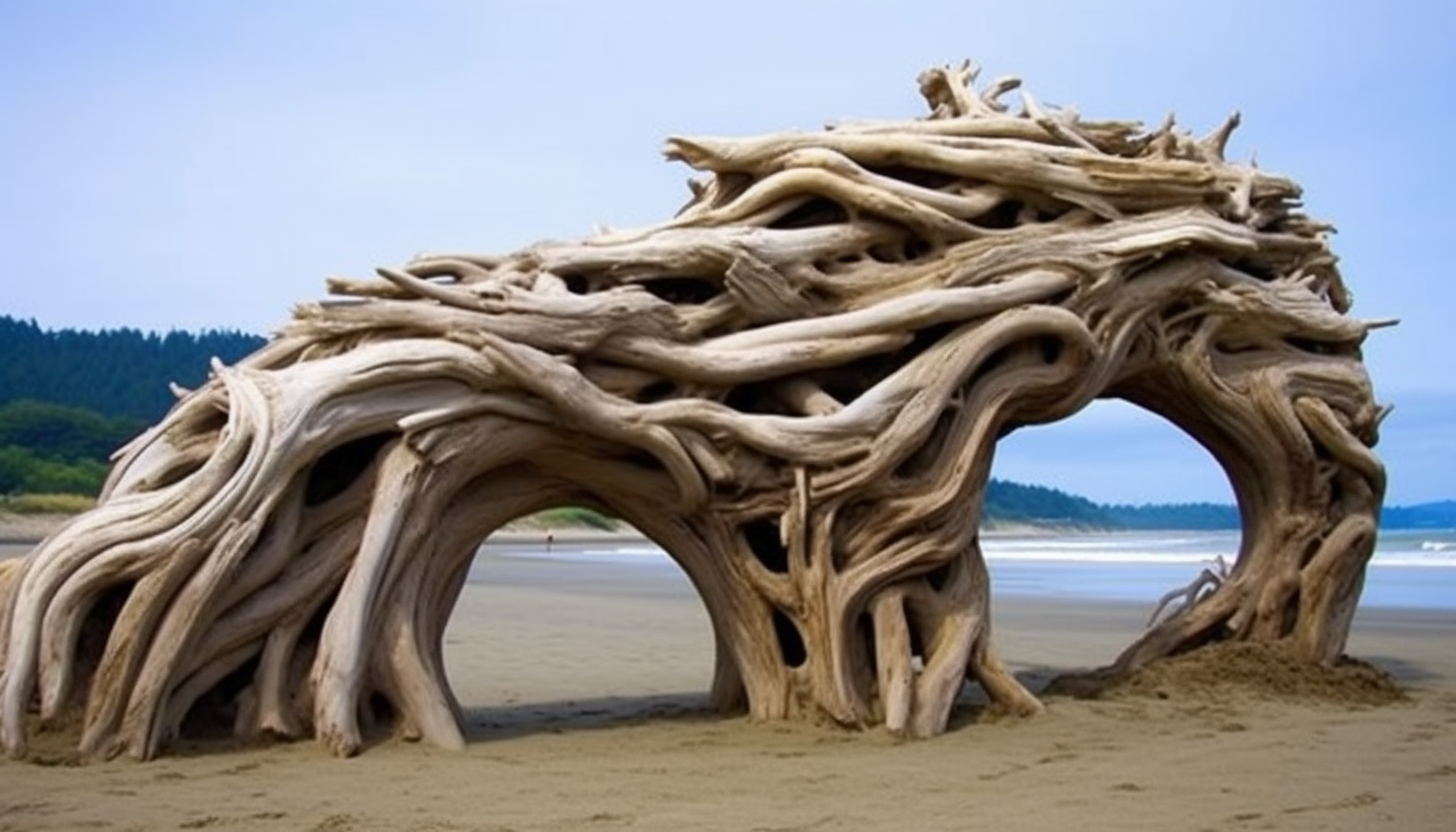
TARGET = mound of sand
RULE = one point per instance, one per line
(1262, 670)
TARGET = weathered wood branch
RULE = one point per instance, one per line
(795, 386)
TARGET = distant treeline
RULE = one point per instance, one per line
(49, 448)
(1039, 504)
(1440, 515)
(69, 398)
(114, 372)
(1188, 516)
(1013, 501)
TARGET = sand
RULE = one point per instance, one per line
(585, 684)
(20, 531)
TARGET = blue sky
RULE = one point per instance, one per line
(192, 165)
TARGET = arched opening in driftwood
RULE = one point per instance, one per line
(593, 630)
(1157, 565)
(1114, 453)
(795, 386)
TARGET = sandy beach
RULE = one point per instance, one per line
(585, 686)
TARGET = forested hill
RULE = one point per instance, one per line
(1038, 504)
(1438, 515)
(114, 372)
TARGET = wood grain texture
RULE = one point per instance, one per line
(795, 386)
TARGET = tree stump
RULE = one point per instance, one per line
(795, 386)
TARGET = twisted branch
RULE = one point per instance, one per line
(795, 386)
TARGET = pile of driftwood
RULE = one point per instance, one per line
(795, 387)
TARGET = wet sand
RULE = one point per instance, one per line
(585, 685)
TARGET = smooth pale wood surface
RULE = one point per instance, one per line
(795, 386)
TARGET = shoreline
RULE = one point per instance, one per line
(31, 529)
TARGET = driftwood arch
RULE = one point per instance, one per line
(795, 386)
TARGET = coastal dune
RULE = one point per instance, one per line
(585, 692)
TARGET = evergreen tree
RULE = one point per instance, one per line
(114, 372)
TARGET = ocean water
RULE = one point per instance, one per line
(1410, 569)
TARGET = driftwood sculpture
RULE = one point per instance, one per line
(795, 387)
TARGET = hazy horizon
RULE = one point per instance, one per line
(199, 166)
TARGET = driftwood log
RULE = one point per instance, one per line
(795, 386)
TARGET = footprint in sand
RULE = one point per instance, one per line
(1438, 771)
(334, 823)
(1352, 802)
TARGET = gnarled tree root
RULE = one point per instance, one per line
(795, 386)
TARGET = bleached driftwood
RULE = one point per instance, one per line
(795, 386)
(1205, 583)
